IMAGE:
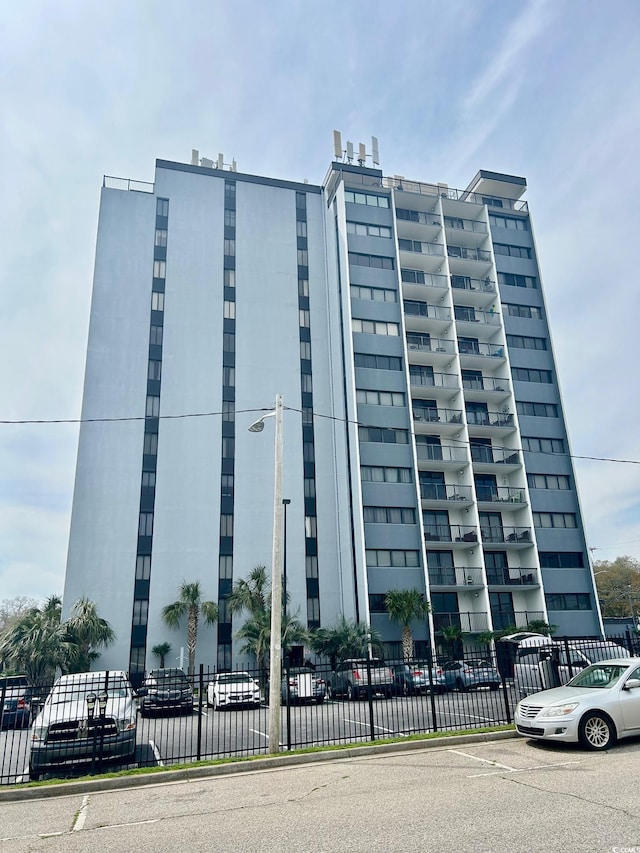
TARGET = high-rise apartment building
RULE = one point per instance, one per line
(404, 324)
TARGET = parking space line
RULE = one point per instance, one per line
(360, 723)
(483, 760)
(156, 753)
(258, 732)
(472, 717)
(81, 816)
(522, 769)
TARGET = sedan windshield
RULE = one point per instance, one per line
(76, 692)
(599, 676)
(234, 678)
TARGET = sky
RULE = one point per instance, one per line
(545, 89)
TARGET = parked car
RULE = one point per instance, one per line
(304, 686)
(529, 675)
(597, 707)
(166, 690)
(351, 679)
(470, 674)
(15, 710)
(232, 689)
(412, 677)
(65, 732)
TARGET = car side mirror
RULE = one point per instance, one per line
(631, 683)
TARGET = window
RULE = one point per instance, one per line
(528, 374)
(305, 350)
(542, 445)
(140, 611)
(226, 525)
(568, 601)
(511, 222)
(311, 566)
(155, 334)
(303, 287)
(303, 258)
(554, 519)
(375, 327)
(155, 370)
(377, 362)
(379, 474)
(228, 412)
(413, 276)
(380, 398)
(374, 261)
(389, 515)
(301, 229)
(492, 202)
(150, 447)
(145, 524)
(313, 610)
(159, 269)
(157, 301)
(225, 567)
(143, 568)
(530, 312)
(301, 201)
(229, 247)
(366, 198)
(229, 278)
(228, 447)
(517, 280)
(526, 342)
(161, 237)
(365, 230)
(374, 294)
(148, 479)
(548, 481)
(162, 207)
(377, 602)
(383, 435)
(229, 310)
(230, 218)
(537, 410)
(310, 526)
(512, 251)
(304, 318)
(561, 560)
(309, 487)
(228, 342)
(153, 407)
(396, 559)
(306, 383)
(228, 376)
(229, 195)
(226, 485)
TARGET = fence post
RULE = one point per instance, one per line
(370, 695)
(629, 641)
(200, 692)
(567, 653)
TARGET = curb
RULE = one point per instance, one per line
(191, 774)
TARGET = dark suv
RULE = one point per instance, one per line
(15, 702)
(166, 690)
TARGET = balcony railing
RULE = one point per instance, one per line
(465, 224)
(494, 455)
(433, 380)
(479, 348)
(469, 623)
(464, 314)
(505, 534)
(421, 309)
(434, 416)
(510, 577)
(444, 492)
(439, 453)
(450, 533)
(476, 285)
(421, 247)
(500, 494)
(493, 419)
(420, 277)
(417, 216)
(516, 619)
(484, 383)
(456, 576)
(127, 184)
(425, 343)
(468, 254)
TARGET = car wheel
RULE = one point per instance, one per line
(34, 775)
(404, 689)
(494, 687)
(352, 693)
(319, 700)
(461, 686)
(330, 693)
(596, 731)
(209, 703)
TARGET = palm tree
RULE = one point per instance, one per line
(346, 639)
(191, 605)
(37, 644)
(451, 635)
(403, 606)
(87, 631)
(161, 650)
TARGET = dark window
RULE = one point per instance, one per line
(513, 280)
(526, 342)
(542, 445)
(377, 362)
(537, 410)
(554, 519)
(568, 601)
(529, 312)
(528, 374)
(374, 261)
(512, 251)
(383, 435)
(561, 560)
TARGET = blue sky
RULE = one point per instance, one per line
(547, 89)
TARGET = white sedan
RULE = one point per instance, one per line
(595, 708)
(232, 689)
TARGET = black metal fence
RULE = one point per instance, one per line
(97, 724)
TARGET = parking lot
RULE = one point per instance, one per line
(502, 796)
(165, 740)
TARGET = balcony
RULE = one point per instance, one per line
(417, 216)
(473, 285)
(501, 494)
(485, 383)
(425, 343)
(517, 536)
(512, 577)
(449, 419)
(421, 278)
(466, 253)
(439, 454)
(445, 192)
(444, 493)
(438, 384)
(459, 224)
(420, 247)
(469, 623)
(489, 421)
(515, 619)
(478, 348)
(466, 314)
(486, 458)
(456, 576)
(449, 533)
(421, 309)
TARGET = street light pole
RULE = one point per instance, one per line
(275, 656)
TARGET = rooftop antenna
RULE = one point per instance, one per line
(362, 154)
(195, 155)
(375, 156)
(220, 161)
(350, 152)
(206, 163)
(337, 144)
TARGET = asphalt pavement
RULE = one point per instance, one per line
(480, 793)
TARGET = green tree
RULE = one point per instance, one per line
(346, 639)
(618, 586)
(191, 605)
(451, 636)
(88, 632)
(161, 650)
(12, 609)
(404, 606)
(539, 626)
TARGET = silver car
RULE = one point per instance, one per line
(597, 707)
(470, 674)
(86, 715)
